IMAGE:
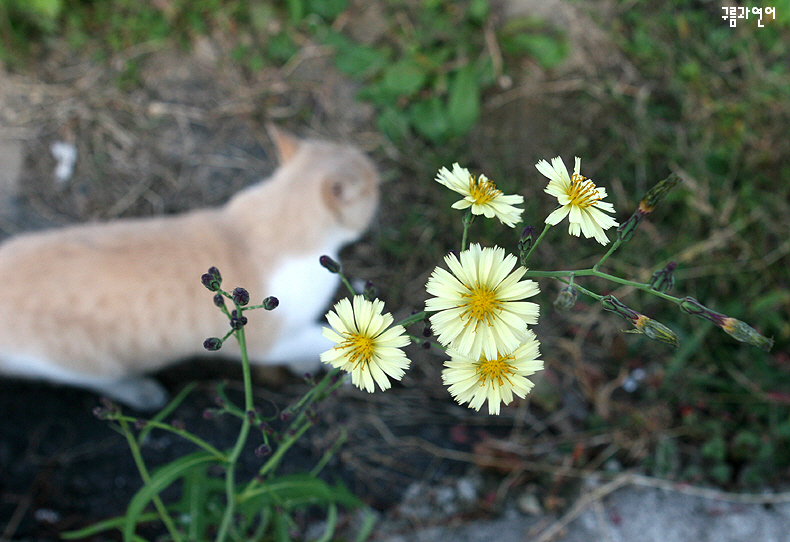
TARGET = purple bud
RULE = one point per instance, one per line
(270, 303)
(262, 451)
(240, 296)
(237, 323)
(525, 243)
(331, 265)
(219, 300)
(664, 279)
(370, 292)
(611, 303)
(212, 344)
(212, 280)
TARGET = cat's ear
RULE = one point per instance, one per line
(286, 143)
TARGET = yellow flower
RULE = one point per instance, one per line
(496, 379)
(367, 347)
(579, 200)
(482, 195)
(478, 306)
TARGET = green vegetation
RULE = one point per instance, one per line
(703, 99)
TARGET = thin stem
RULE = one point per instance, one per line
(321, 390)
(180, 432)
(467, 221)
(538, 240)
(413, 319)
(230, 473)
(593, 273)
(347, 284)
(614, 247)
(164, 515)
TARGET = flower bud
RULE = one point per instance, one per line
(740, 331)
(270, 303)
(262, 451)
(238, 322)
(611, 303)
(212, 344)
(658, 192)
(689, 305)
(211, 282)
(656, 330)
(566, 299)
(102, 413)
(626, 230)
(371, 292)
(664, 279)
(219, 300)
(525, 243)
(240, 296)
(643, 324)
(331, 265)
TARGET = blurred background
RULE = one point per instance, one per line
(159, 106)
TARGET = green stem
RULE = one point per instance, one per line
(347, 284)
(180, 432)
(611, 278)
(614, 247)
(230, 473)
(301, 423)
(138, 460)
(413, 319)
(538, 240)
(467, 221)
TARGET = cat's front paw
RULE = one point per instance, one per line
(139, 393)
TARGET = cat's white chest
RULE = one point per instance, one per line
(303, 287)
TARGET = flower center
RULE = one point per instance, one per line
(582, 192)
(481, 304)
(495, 369)
(361, 348)
(482, 190)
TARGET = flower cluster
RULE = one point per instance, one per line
(478, 308)
(480, 316)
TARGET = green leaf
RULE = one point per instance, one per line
(429, 117)
(361, 61)
(328, 9)
(298, 490)
(106, 525)
(393, 123)
(159, 481)
(478, 10)
(404, 78)
(463, 105)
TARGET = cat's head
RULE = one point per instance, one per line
(348, 180)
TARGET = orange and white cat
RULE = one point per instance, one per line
(100, 305)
